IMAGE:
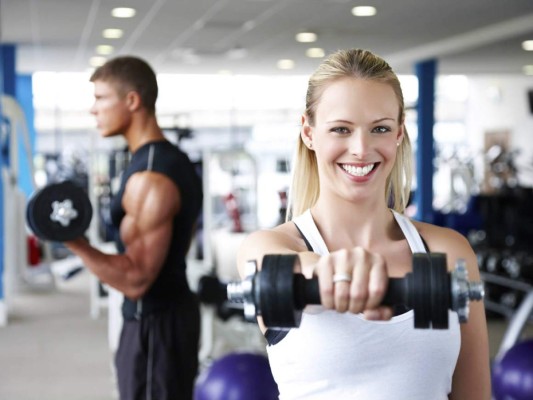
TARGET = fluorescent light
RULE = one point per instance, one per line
(528, 69)
(315, 52)
(123, 12)
(364, 11)
(236, 53)
(285, 64)
(97, 61)
(104, 49)
(527, 45)
(306, 37)
(112, 33)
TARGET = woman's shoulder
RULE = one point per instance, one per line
(285, 234)
(444, 240)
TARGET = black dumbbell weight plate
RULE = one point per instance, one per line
(276, 291)
(41, 207)
(440, 291)
(420, 290)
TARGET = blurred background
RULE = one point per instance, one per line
(232, 78)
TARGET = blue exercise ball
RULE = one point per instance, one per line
(512, 374)
(237, 376)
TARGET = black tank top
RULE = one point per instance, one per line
(165, 158)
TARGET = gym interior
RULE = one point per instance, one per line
(232, 77)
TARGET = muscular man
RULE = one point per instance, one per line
(154, 213)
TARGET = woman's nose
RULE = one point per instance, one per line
(359, 143)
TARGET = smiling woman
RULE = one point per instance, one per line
(351, 181)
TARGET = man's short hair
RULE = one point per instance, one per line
(130, 73)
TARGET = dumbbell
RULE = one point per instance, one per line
(59, 212)
(279, 295)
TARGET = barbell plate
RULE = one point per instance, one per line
(40, 208)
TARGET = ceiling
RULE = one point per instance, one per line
(250, 36)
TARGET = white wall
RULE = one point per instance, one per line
(501, 103)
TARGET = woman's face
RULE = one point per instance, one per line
(355, 137)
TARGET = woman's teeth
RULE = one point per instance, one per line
(358, 171)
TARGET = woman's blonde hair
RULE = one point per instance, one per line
(360, 64)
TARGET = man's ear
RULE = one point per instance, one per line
(133, 100)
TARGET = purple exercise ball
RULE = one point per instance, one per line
(512, 375)
(237, 376)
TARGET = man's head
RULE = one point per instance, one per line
(128, 74)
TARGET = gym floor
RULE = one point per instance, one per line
(52, 349)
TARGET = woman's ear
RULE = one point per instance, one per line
(400, 135)
(306, 132)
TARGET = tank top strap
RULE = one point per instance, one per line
(306, 225)
(151, 151)
(410, 232)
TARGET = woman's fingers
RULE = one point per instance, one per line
(353, 280)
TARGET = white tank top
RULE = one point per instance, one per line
(344, 356)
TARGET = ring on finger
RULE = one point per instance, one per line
(341, 277)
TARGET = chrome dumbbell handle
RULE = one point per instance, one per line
(463, 291)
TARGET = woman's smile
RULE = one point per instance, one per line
(358, 170)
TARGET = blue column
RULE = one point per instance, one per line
(7, 86)
(425, 152)
(25, 98)
(7, 69)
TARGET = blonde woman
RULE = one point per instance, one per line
(351, 180)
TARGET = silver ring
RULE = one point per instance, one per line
(342, 278)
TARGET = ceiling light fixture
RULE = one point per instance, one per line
(236, 53)
(364, 11)
(285, 64)
(527, 45)
(123, 12)
(315, 52)
(112, 33)
(306, 37)
(104, 49)
(97, 61)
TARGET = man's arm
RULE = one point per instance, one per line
(151, 200)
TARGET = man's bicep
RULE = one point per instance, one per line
(152, 199)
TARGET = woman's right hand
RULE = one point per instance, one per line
(354, 280)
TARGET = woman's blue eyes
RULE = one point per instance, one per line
(341, 130)
(381, 129)
(377, 129)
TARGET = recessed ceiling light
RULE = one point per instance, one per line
(527, 45)
(104, 49)
(528, 69)
(306, 37)
(285, 64)
(364, 11)
(236, 53)
(112, 33)
(97, 61)
(315, 52)
(123, 12)
(249, 25)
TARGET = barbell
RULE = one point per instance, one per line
(279, 295)
(59, 212)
